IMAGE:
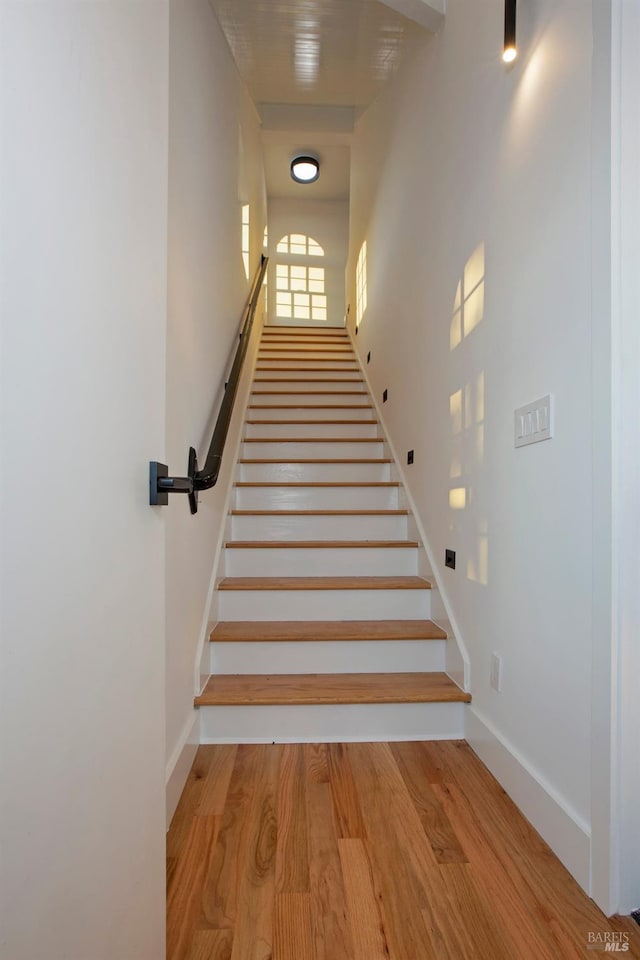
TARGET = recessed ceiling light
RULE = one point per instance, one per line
(305, 169)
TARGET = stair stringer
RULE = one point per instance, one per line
(236, 432)
(457, 662)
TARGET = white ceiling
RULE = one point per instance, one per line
(330, 52)
(311, 66)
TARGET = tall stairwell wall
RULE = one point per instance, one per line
(215, 167)
(472, 186)
(83, 207)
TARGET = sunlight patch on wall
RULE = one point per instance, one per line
(478, 565)
(458, 498)
(245, 238)
(467, 415)
(361, 284)
(468, 304)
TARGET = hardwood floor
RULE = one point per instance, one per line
(403, 851)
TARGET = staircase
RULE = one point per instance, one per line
(323, 621)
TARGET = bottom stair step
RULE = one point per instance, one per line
(330, 688)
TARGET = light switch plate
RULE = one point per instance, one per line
(534, 422)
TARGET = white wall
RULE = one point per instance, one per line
(469, 168)
(327, 221)
(215, 166)
(83, 107)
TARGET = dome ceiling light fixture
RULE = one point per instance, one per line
(305, 169)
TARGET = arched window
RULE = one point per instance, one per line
(300, 245)
(300, 287)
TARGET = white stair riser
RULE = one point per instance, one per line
(319, 528)
(304, 341)
(322, 656)
(316, 498)
(308, 449)
(299, 366)
(294, 378)
(337, 723)
(312, 430)
(353, 398)
(266, 412)
(319, 472)
(324, 604)
(304, 353)
(321, 561)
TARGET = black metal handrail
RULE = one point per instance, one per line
(160, 483)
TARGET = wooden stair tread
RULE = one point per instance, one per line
(239, 631)
(319, 513)
(322, 460)
(317, 483)
(318, 544)
(308, 370)
(324, 583)
(327, 688)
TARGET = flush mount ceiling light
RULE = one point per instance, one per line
(510, 50)
(305, 169)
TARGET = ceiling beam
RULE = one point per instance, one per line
(428, 13)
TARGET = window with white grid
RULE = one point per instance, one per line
(300, 293)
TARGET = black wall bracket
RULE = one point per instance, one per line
(161, 484)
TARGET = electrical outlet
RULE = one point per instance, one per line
(410, 457)
(369, 356)
(384, 395)
(450, 559)
(495, 675)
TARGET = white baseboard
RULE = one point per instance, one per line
(180, 763)
(566, 832)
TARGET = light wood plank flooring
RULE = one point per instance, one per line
(402, 851)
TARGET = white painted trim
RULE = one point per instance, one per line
(201, 665)
(458, 660)
(624, 837)
(180, 763)
(566, 832)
